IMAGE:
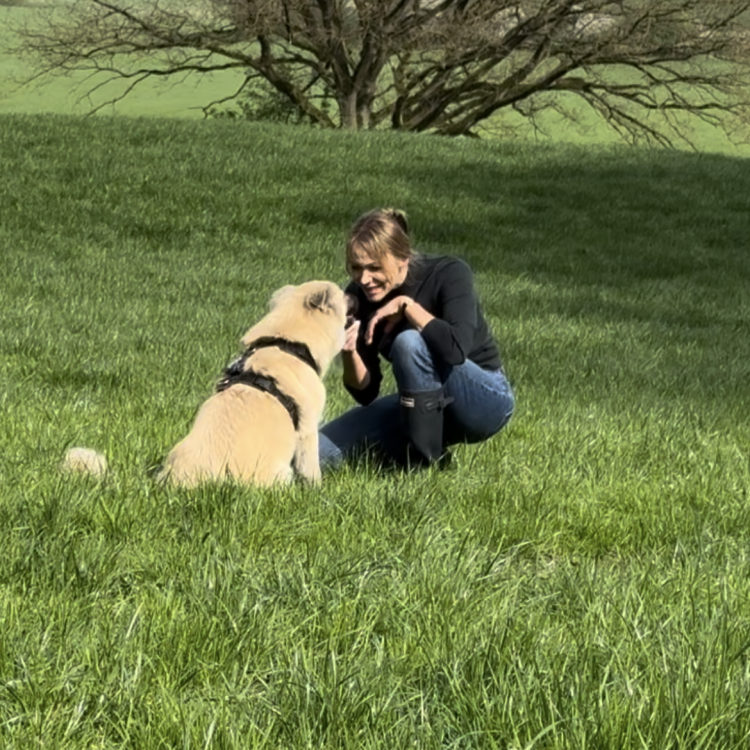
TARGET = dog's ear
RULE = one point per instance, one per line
(320, 300)
(279, 294)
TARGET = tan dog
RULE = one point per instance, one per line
(261, 425)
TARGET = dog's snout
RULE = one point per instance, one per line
(351, 305)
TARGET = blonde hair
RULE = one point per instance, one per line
(383, 235)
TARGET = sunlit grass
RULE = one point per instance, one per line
(581, 580)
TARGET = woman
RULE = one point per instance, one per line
(421, 313)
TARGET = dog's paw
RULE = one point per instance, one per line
(313, 476)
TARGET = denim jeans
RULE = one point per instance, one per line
(482, 405)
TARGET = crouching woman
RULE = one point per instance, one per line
(420, 313)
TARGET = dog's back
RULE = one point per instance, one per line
(240, 433)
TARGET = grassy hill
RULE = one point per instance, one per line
(579, 580)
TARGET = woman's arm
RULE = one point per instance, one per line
(415, 314)
(356, 374)
(362, 375)
(396, 310)
(450, 336)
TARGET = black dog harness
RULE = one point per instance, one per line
(235, 372)
(297, 349)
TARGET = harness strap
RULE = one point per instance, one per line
(263, 383)
(235, 372)
(295, 348)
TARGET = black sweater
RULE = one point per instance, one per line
(443, 286)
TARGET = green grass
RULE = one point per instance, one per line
(180, 96)
(579, 581)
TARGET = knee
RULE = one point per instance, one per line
(407, 347)
(412, 362)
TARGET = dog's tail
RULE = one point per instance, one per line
(85, 461)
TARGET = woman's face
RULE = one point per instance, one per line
(377, 277)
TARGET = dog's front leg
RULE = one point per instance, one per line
(306, 460)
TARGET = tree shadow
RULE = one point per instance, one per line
(616, 215)
(647, 241)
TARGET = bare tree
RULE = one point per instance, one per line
(425, 65)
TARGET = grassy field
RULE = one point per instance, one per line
(182, 96)
(580, 581)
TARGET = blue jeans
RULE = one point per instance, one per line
(482, 405)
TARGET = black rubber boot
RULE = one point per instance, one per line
(422, 423)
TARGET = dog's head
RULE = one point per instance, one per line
(314, 297)
(313, 313)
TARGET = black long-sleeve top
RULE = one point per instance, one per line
(444, 286)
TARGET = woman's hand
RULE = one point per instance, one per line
(352, 333)
(392, 313)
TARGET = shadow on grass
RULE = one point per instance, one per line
(569, 216)
(600, 237)
(613, 217)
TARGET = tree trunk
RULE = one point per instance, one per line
(355, 111)
(348, 111)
